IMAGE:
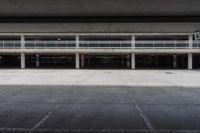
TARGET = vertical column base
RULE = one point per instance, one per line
(22, 60)
(132, 60)
(77, 61)
(190, 61)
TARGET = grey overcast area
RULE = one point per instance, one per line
(99, 66)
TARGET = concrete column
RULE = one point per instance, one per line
(132, 60)
(23, 61)
(37, 60)
(174, 61)
(77, 61)
(190, 61)
(128, 61)
(133, 41)
(190, 43)
(82, 61)
(77, 54)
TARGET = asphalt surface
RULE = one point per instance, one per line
(32, 109)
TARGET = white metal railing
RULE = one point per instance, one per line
(143, 44)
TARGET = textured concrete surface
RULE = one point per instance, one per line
(62, 77)
(136, 101)
(99, 27)
(135, 109)
(99, 8)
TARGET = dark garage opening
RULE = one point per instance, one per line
(155, 61)
(30, 61)
(182, 61)
(10, 61)
(51, 61)
(196, 61)
(107, 61)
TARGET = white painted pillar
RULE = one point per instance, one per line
(37, 60)
(132, 60)
(77, 59)
(174, 61)
(133, 54)
(189, 61)
(23, 61)
(190, 44)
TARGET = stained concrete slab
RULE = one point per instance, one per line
(17, 115)
(70, 77)
(173, 117)
(98, 108)
(95, 116)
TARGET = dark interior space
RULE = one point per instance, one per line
(30, 61)
(51, 61)
(107, 61)
(196, 61)
(182, 61)
(10, 61)
(155, 61)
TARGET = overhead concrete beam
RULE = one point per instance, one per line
(99, 28)
(100, 8)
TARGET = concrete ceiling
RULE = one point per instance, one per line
(174, 9)
(100, 28)
(99, 8)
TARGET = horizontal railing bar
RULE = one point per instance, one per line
(104, 47)
(99, 44)
(119, 41)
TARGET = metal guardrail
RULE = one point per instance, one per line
(147, 44)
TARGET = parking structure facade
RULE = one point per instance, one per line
(138, 36)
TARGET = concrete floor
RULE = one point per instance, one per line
(63, 77)
(158, 105)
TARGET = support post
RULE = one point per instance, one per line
(132, 60)
(77, 61)
(23, 61)
(174, 61)
(37, 60)
(190, 60)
